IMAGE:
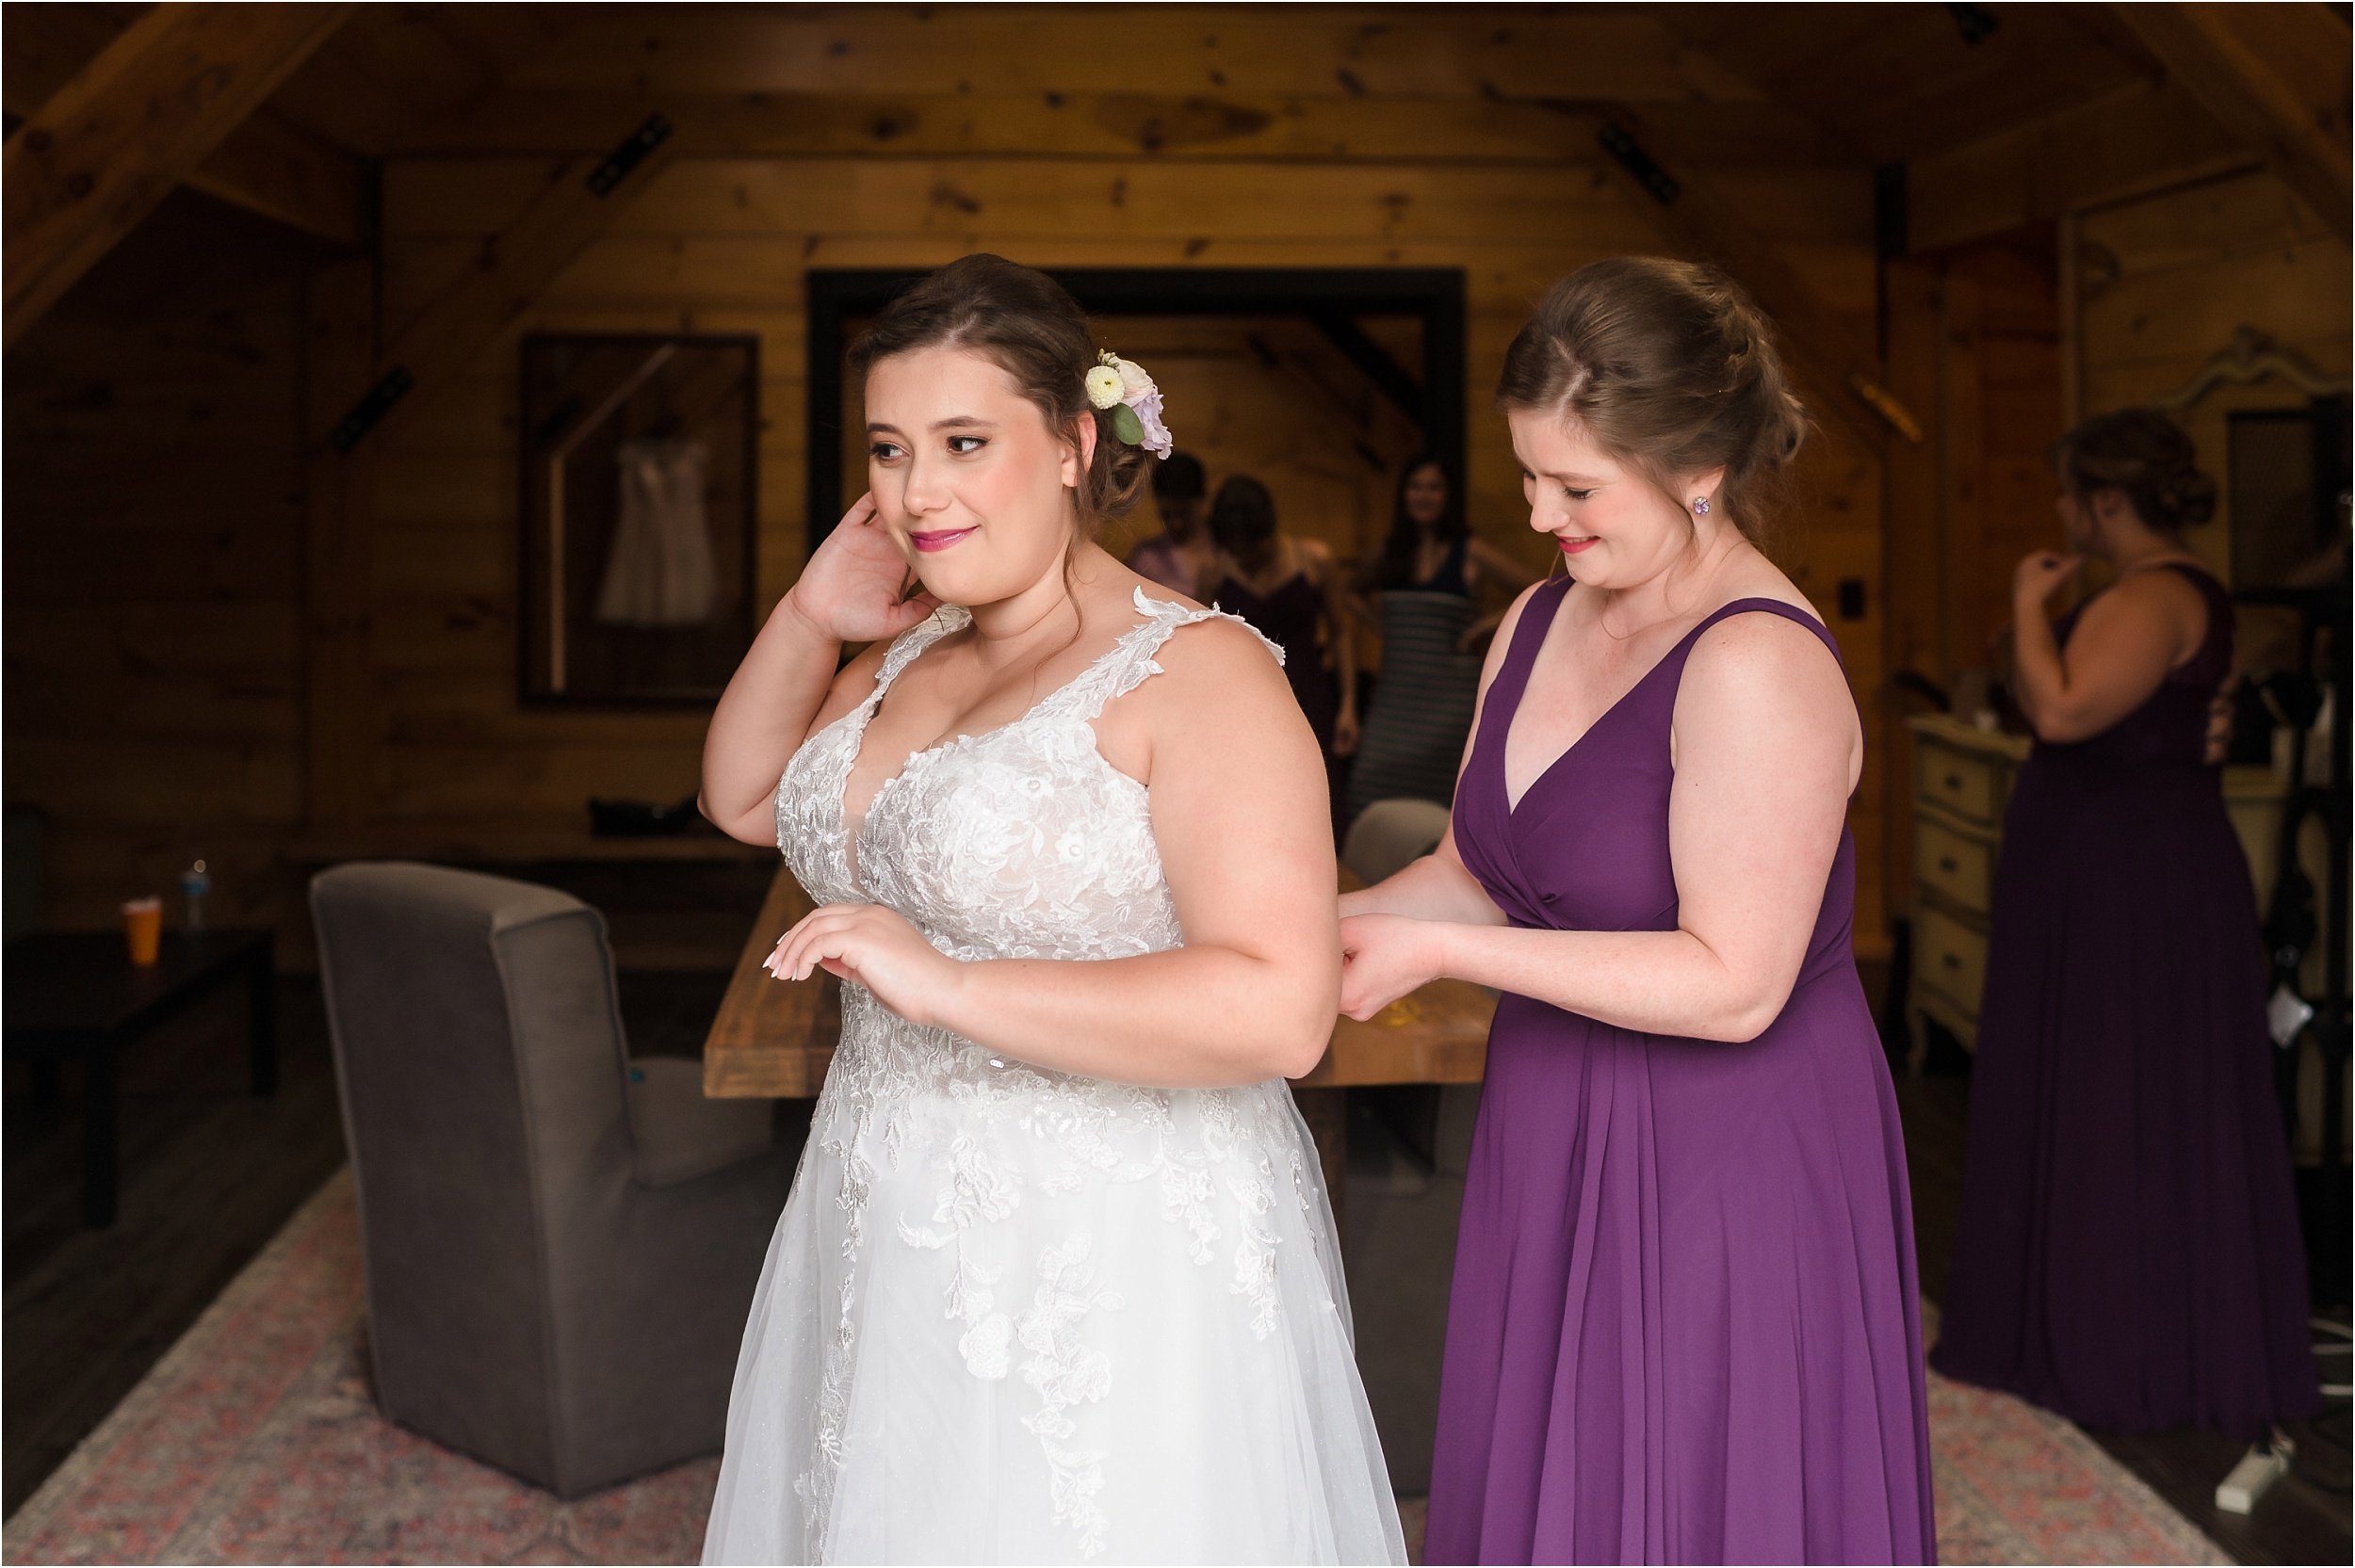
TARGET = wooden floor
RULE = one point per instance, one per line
(210, 1174)
(2302, 1519)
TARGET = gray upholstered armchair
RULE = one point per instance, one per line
(561, 1244)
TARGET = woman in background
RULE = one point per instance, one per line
(1290, 588)
(2128, 1251)
(1177, 556)
(1683, 1327)
(1427, 582)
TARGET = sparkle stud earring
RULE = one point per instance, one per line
(1700, 506)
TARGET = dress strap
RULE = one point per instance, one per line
(1773, 606)
(1528, 634)
(903, 649)
(1129, 663)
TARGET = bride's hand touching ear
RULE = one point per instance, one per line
(1383, 957)
(855, 588)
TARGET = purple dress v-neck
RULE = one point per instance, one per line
(1683, 1327)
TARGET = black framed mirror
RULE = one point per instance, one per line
(639, 457)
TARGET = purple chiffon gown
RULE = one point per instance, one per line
(2127, 1251)
(1683, 1327)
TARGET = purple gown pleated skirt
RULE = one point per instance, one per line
(2127, 1251)
(1683, 1325)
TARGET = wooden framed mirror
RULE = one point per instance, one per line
(639, 512)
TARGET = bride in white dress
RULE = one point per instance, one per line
(1058, 1280)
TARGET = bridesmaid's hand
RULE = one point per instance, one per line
(1383, 957)
(1345, 730)
(876, 948)
(855, 588)
(2038, 574)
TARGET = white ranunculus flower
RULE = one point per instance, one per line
(1134, 382)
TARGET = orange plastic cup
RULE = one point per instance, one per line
(143, 928)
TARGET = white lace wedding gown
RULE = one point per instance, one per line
(1011, 1315)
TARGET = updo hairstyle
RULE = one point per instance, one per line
(1672, 370)
(2145, 457)
(1029, 326)
(1242, 521)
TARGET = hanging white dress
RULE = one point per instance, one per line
(659, 572)
(1018, 1316)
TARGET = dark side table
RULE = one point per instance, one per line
(75, 996)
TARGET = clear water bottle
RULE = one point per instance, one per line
(195, 883)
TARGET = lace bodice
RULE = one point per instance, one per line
(1021, 841)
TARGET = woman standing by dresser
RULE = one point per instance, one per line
(2127, 1251)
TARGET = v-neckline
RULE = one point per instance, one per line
(854, 835)
(1505, 786)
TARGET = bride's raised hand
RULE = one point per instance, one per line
(853, 589)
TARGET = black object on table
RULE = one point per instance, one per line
(75, 996)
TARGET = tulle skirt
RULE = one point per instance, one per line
(1014, 1317)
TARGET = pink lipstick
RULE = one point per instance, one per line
(941, 539)
(1572, 546)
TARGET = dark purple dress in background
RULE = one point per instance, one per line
(1683, 1326)
(2127, 1251)
(1292, 617)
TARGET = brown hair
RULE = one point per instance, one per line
(1672, 369)
(1242, 521)
(2143, 455)
(1029, 326)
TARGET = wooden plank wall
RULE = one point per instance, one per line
(720, 243)
(1975, 342)
(2162, 283)
(158, 708)
(153, 568)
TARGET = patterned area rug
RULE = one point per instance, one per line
(254, 1439)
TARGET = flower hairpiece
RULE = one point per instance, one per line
(1122, 387)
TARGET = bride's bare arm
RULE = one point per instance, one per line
(1437, 887)
(848, 593)
(1240, 813)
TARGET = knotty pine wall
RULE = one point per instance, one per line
(2162, 283)
(153, 568)
(721, 243)
(1221, 137)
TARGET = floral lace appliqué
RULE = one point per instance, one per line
(1021, 841)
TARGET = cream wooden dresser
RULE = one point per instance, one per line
(1962, 781)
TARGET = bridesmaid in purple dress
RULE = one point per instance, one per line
(2127, 1251)
(1683, 1326)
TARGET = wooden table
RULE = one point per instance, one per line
(774, 1039)
(76, 996)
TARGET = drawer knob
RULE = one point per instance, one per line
(1946, 863)
(1950, 961)
(1954, 781)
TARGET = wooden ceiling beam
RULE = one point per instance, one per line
(268, 165)
(578, 199)
(952, 50)
(1126, 125)
(138, 120)
(1833, 354)
(2275, 77)
(2139, 138)
(272, 167)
